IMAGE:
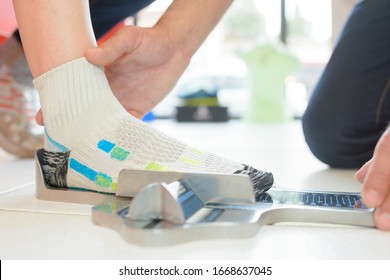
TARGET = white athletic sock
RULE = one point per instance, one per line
(90, 137)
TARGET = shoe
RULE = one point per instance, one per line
(19, 133)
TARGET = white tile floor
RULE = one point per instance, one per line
(34, 229)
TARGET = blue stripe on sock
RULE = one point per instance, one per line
(105, 146)
(60, 147)
(99, 178)
(82, 169)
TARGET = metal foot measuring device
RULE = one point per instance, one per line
(163, 208)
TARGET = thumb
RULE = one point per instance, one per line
(360, 175)
(39, 117)
(125, 40)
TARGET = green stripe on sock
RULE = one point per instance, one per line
(112, 149)
(156, 166)
(189, 160)
(119, 153)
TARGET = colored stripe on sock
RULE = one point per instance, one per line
(119, 153)
(156, 166)
(197, 151)
(60, 147)
(105, 146)
(103, 180)
(114, 151)
(99, 178)
(189, 160)
(82, 169)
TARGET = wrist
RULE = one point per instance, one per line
(177, 46)
(188, 23)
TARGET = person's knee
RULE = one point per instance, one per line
(317, 137)
(328, 143)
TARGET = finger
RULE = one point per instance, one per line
(361, 173)
(136, 114)
(124, 41)
(376, 185)
(39, 117)
(382, 219)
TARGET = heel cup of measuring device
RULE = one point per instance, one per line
(46, 191)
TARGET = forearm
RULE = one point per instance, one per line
(188, 22)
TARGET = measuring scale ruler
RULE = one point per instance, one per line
(322, 199)
(204, 206)
(160, 208)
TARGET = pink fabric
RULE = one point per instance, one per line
(7, 18)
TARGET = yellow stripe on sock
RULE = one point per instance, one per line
(114, 186)
(197, 151)
(189, 160)
(156, 166)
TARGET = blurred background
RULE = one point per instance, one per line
(263, 55)
(306, 29)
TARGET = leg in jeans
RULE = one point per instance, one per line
(350, 107)
(107, 13)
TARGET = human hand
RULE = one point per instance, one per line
(375, 177)
(142, 66)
